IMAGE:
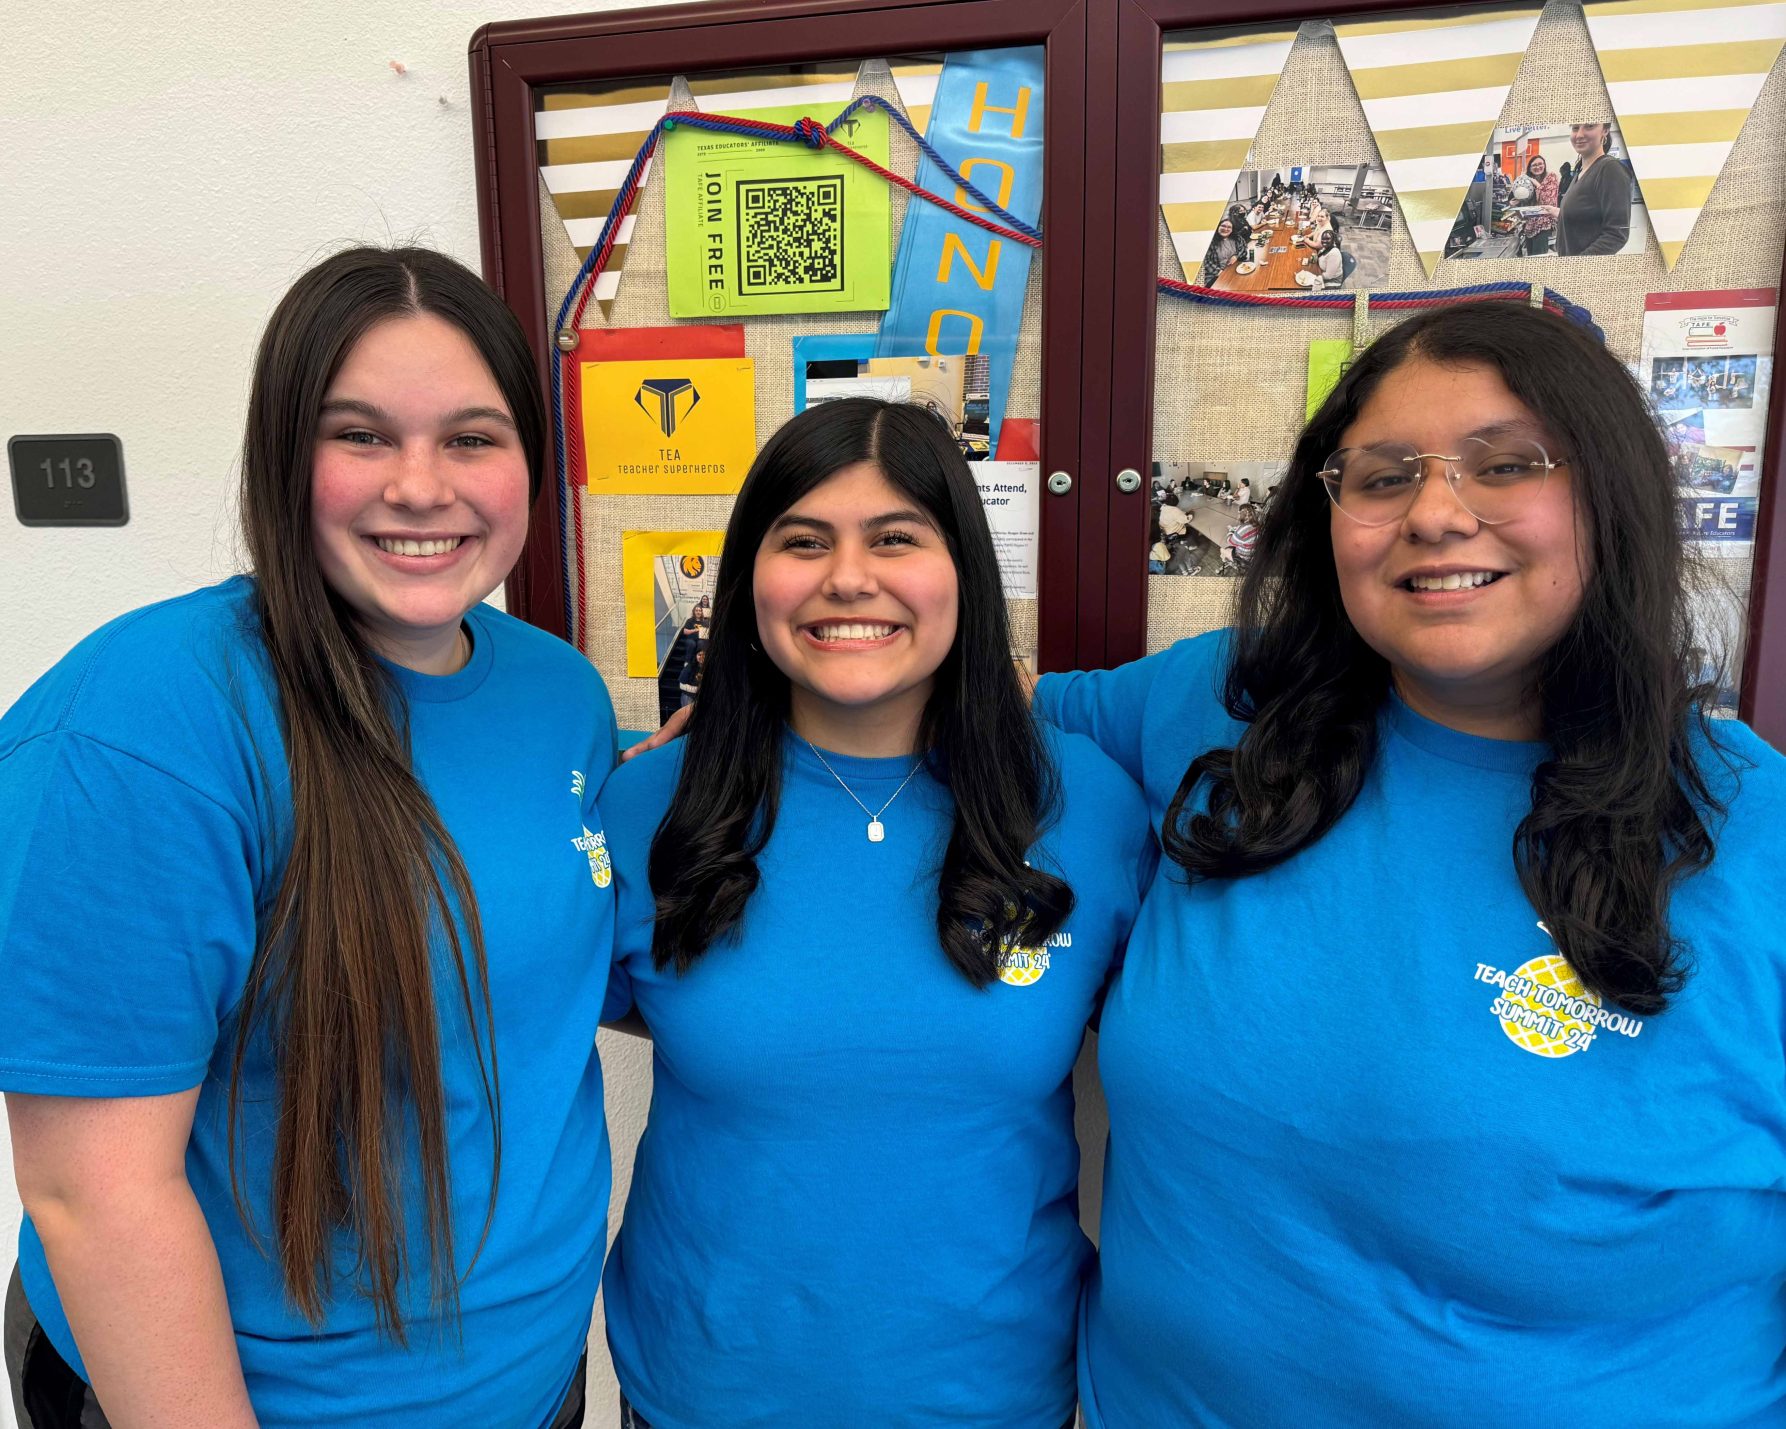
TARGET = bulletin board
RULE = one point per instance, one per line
(1133, 370)
(634, 554)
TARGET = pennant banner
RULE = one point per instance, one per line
(1212, 96)
(1682, 76)
(1432, 89)
(587, 138)
(586, 143)
(956, 287)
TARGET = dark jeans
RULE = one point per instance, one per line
(47, 1394)
(630, 1418)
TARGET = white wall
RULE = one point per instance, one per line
(166, 171)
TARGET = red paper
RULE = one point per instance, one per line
(1019, 439)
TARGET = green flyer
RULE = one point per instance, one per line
(759, 226)
(1327, 363)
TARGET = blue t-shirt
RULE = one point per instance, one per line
(147, 821)
(855, 1201)
(1375, 1159)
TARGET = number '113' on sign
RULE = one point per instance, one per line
(76, 471)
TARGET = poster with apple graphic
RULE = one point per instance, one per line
(1707, 365)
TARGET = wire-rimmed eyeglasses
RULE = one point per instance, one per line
(1492, 480)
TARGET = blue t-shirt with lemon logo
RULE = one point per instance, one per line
(1378, 1158)
(855, 1202)
(147, 822)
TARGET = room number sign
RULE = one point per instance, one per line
(68, 481)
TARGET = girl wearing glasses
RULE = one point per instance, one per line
(1444, 1070)
(866, 910)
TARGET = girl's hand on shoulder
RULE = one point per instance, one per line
(672, 728)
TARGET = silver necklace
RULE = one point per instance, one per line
(876, 829)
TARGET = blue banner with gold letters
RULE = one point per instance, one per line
(956, 287)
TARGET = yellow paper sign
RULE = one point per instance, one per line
(671, 426)
(664, 576)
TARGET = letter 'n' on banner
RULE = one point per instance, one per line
(1213, 93)
(1682, 76)
(1432, 90)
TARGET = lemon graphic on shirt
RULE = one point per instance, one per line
(595, 845)
(1551, 1036)
(1019, 967)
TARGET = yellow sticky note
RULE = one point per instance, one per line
(663, 575)
(669, 426)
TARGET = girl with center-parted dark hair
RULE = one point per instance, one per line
(304, 909)
(866, 910)
(1444, 1068)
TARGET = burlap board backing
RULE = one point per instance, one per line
(643, 301)
(1229, 384)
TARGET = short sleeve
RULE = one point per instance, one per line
(633, 802)
(1109, 707)
(619, 1000)
(127, 921)
(607, 738)
(1139, 859)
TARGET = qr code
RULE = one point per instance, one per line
(790, 235)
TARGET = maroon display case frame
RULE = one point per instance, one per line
(1100, 190)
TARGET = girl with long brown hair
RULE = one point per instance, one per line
(301, 883)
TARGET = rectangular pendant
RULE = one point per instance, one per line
(875, 832)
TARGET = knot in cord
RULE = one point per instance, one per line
(811, 132)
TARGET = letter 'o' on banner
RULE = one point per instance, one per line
(1213, 93)
(1432, 90)
(1682, 76)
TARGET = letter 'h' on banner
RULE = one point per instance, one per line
(956, 287)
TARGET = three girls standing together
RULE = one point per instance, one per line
(1428, 924)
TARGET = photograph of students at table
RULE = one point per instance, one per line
(1551, 190)
(1726, 380)
(1197, 508)
(1303, 227)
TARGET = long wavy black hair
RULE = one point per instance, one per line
(976, 732)
(1621, 809)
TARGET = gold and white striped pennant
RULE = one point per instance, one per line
(1682, 76)
(587, 140)
(1432, 89)
(588, 135)
(1213, 93)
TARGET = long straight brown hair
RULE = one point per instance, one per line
(343, 977)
